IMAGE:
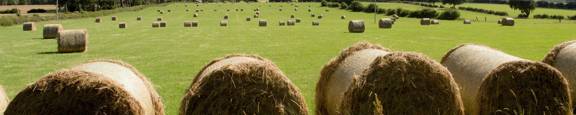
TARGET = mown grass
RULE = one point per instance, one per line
(511, 12)
(172, 56)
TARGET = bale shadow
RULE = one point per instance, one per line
(50, 52)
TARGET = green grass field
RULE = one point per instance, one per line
(511, 12)
(172, 56)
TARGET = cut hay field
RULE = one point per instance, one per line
(172, 56)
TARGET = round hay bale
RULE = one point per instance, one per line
(499, 21)
(467, 21)
(29, 26)
(262, 23)
(395, 17)
(195, 15)
(248, 19)
(507, 21)
(139, 18)
(524, 87)
(469, 65)
(327, 10)
(256, 15)
(242, 84)
(425, 21)
(292, 16)
(98, 87)
(51, 30)
(562, 58)
(224, 23)
(342, 17)
(320, 16)
(385, 23)
(114, 18)
(169, 11)
(295, 9)
(4, 101)
(315, 23)
(155, 24)
(188, 24)
(435, 22)
(187, 10)
(194, 23)
(282, 23)
(312, 15)
(356, 26)
(122, 25)
(163, 24)
(72, 41)
(97, 20)
(280, 9)
(291, 22)
(402, 83)
(159, 19)
(338, 74)
(257, 12)
(298, 20)
(309, 10)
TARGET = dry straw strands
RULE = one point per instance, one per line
(3, 100)
(241, 84)
(337, 75)
(402, 83)
(51, 30)
(469, 65)
(29, 26)
(563, 58)
(356, 26)
(98, 87)
(73, 41)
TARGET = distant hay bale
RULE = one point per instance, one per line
(507, 21)
(337, 75)
(292, 16)
(282, 23)
(562, 58)
(434, 22)
(72, 41)
(342, 17)
(98, 87)
(327, 10)
(262, 23)
(29, 26)
(309, 10)
(524, 87)
(312, 15)
(122, 25)
(295, 9)
(155, 24)
(256, 15)
(385, 23)
(291, 22)
(195, 15)
(242, 84)
(194, 23)
(402, 83)
(356, 26)
(159, 19)
(139, 18)
(97, 20)
(4, 101)
(114, 18)
(395, 17)
(298, 20)
(225, 17)
(187, 23)
(169, 11)
(315, 23)
(320, 16)
(467, 21)
(163, 24)
(248, 19)
(280, 9)
(470, 64)
(51, 30)
(224, 23)
(257, 12)
(425, 21)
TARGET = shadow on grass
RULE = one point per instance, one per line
(50, 52)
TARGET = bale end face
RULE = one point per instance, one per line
(529, 87)
(29, 26)
(382, 88)
(72, 41)
(356, 26)
(51, 30)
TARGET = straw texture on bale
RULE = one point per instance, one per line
(94, 88)
(29, 26)
(122, 25)
(262, 23)
(155, 24)
(524, 87)
(242, 84)
(469, 65)
(315, 23)
(562, 57)
(337, 75)
(73, 41)
(3, 101)
(51, 30)
(163, 23)
(425, 21)
(356, 26)
(114, 18)
(403, 84)
(224, 23)
(467, 21)
(98, 20)
(291, 22)
(385, 23)
(507, 21)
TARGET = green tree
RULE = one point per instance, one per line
(453, 2)
(525, 6)
(432, 1)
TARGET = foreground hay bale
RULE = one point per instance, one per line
(72, 41)
(291, 22)
(435, 22)
(315, 23)
(262, 23)
(470, 64)
(356, 26)
(122, 25)
(242, 84)
(524, 86)
(467, 21)
(155, 24)
(97, 20)
(385, 23)
(29, 26)
(99, 87)
(425, 21)
(51, 30)
(114, 18)
(562, 57)
(3, 100)
(339, 73)
(224, 23)
(403, 84)
(163, 24)
(507, 21)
